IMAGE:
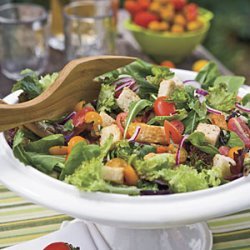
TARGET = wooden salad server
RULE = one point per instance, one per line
(74, 83)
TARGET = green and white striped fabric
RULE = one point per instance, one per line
(21, 220)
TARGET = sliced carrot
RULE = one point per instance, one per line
(233, 151)
(161, 149)
(79, 106)
(58, 150)
(73, 141)
(218, 120)
(130, 176)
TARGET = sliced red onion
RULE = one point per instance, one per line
(136, 133)
(201, 92)
(126, 84)
(212, 110)
(68, 117)
(192, 83)
(178, 154)
(240, 107)
(68, 136)
(122, 80)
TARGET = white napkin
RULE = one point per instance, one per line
(75, 233)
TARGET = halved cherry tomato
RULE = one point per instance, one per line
(73, 141)
(238, 126)
(94, 117)
(120, 120)
(173, 132)
(161, 149)
(162, 107)
(58, 246)
(178, 4)
(224, 150)
(79, 106)
(179, 126)
(79, 118)
(58, 150)
(233, 151)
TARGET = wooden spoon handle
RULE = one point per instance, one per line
(75, 82)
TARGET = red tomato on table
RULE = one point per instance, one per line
(60, 246)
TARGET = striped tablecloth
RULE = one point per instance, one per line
(21, 220)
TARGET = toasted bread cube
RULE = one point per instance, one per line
(148, 133)
(211, 132)
(126, 97)
(166, 88)
(107, 120)
(113, 174)
(110, 130)
(178, 82)
(224, 163)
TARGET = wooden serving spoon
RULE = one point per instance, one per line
(74, 83)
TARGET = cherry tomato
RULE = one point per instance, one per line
(73, 141)
(162, 107)
(179, 4)
(58, 246)
(168, 64)
(179, 126)
(79, 118)
(120, 120)
(191, 12)
(238, 126)
(224, 150)
(143, 18)
(173, 132)
(94, 117)
(132, 7)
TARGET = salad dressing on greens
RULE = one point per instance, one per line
(147, 133)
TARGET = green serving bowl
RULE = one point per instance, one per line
(170, 46)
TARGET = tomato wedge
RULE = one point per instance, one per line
(238, 126)
(179, 126)
(162, 107)
(79, 118)
(171, 130)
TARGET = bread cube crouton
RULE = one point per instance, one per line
(212, 132)
(113, 174)
(224, 163)
(148, 133)
(178, 82)
(166, 88)
(126, 97)
(107, 120)
(110, 130)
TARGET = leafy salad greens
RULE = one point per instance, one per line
(148, 132)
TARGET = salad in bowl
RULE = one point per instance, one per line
(147, 133)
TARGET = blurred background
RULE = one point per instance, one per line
(229, 36)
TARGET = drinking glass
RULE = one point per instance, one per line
(89, 29)
(23, 34)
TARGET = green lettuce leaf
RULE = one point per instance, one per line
(40, 160)
(134, 109)
(234, 140)
(88, 177)
(233, 82)
(207, 75)
(181, 97)
(106, 99)
(43, 145)
(80, 152)
(198, 140)
(31, 85)
(179, 115)
(220, 98)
